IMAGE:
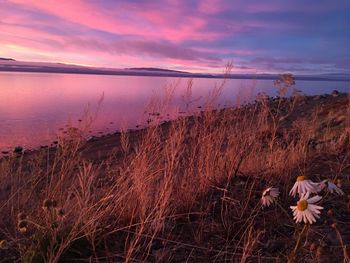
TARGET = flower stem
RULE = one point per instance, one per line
(291, 258)
(285, 212)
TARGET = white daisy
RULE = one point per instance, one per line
(305, 210)
(303, 185)
(331, 187)
(269, 195)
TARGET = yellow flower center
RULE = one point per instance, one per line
(301, 178)
(302, 205)
(2, 244)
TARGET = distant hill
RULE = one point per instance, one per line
(158, 69)
(7, 59)
(11, 65)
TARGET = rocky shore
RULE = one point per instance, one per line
(330, 110)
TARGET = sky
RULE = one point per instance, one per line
(269, 36)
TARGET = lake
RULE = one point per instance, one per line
(36, 107)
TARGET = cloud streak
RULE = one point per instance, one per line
(257, 36)
(143, 48)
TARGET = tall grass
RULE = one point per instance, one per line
(187, 190)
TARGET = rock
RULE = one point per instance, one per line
(18, 149)
(335, 93)
(92, 139)
(318, 97)
(312, 143)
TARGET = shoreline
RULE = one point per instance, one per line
(105, 143)
(170, 74)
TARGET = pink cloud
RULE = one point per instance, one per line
(143, 21)
(80, 12)
(26, 33)
(212, 6)
(288, 6)
(228, 51)
(142, 48)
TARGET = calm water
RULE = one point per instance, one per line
(36, 107)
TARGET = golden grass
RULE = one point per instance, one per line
(187, 190)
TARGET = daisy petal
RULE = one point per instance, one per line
(314, 199)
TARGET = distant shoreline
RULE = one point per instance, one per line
(135, 72)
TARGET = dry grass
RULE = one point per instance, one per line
(184, 191)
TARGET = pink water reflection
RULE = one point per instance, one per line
(34, 106)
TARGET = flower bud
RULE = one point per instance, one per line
(330, 212)
(54, 225)
(23, 230)
(21, 216)
(22, 224)
(47, 203)
(339, 183)
(3, 244)
(313, 246)
(60, 212)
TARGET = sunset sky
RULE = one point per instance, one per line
(199, 36)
